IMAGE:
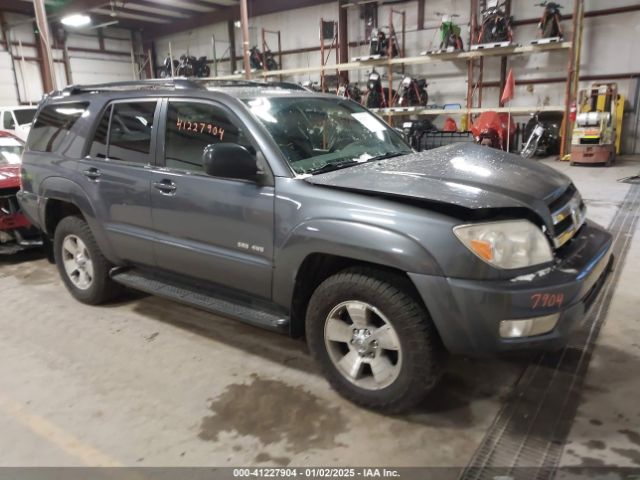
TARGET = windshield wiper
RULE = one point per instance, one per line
(330, 167)
(384, 156)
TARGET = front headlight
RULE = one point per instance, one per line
(508, 244)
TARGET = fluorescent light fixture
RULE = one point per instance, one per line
(76, 20)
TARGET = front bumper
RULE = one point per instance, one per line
(467, 313)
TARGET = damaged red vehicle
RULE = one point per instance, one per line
(16, 233)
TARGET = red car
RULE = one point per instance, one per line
(16, 233)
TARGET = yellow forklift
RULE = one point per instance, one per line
(597, 132)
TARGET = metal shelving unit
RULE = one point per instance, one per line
(475, 64)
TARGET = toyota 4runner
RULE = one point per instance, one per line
(306, 213)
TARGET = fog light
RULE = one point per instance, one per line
(529, 327)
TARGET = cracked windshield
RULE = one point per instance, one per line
(318, 135)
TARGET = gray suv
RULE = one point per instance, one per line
(306, 213)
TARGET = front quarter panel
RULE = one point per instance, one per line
(311, 220)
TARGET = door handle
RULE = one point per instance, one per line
(166, 187)
(92, 174)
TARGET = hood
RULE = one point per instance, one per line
(462, 174)
(10, 176)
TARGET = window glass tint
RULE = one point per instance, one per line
(191, 127)
(7, 121)
(130, 132)
(99, 144)
(53, 125)
(24, 115)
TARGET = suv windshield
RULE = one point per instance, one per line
(24, 116)
(321, 134)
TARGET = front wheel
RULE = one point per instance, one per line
(373, 340)
(83, 268)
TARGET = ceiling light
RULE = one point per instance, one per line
(76, 20)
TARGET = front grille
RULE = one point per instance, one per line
(567, 217)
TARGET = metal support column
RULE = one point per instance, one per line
(573, 74)
(233, 66)
(244, 21)
(44, 47)
(343, 39)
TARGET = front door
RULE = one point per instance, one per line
(117, 175)
(215, 229)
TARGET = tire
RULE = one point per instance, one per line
(74, 230)
(550, 29)
(406, 374)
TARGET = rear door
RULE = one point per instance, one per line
(215, 229)
(116, 174)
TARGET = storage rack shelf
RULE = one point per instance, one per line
(405, 111)
(419, 60)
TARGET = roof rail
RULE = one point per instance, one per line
(159, 83)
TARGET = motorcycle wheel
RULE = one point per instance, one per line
(530, 149)
(372, 100)
(205, 71)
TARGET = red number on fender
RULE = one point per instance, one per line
(547, 300)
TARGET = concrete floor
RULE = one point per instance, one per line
(150, 382)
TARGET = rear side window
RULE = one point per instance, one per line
(53, 125)
(24, 116)
(99, 145)
(130, 131)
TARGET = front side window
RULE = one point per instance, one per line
(318, 134)
(191, 127)
(130, 131)
(53, 124)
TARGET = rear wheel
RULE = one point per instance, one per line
(374, 342)
(83, 268)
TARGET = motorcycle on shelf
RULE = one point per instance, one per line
(379, 44)
(165, 70)
(190, 66)
(496, 25)
(255, 58)
(350, 90)
(543, 134)
(412, 93)
(450, 39)
(377, 96)
(262, 61)
(549, 24)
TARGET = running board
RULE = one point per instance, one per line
(257, 314)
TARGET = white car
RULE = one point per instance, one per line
(17, 120)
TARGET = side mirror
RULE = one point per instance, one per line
(230, 160)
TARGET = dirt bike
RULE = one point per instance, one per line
(543, 134)
(351, 91)
(376, 96)
(496, 25)
(549, 24)
(450, 38)
(189, 66)
(411, 93)
(379, 44)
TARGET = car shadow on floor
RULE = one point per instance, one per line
(464, 382)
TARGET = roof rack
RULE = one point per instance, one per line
(160, 83)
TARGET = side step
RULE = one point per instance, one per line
(255, 313)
